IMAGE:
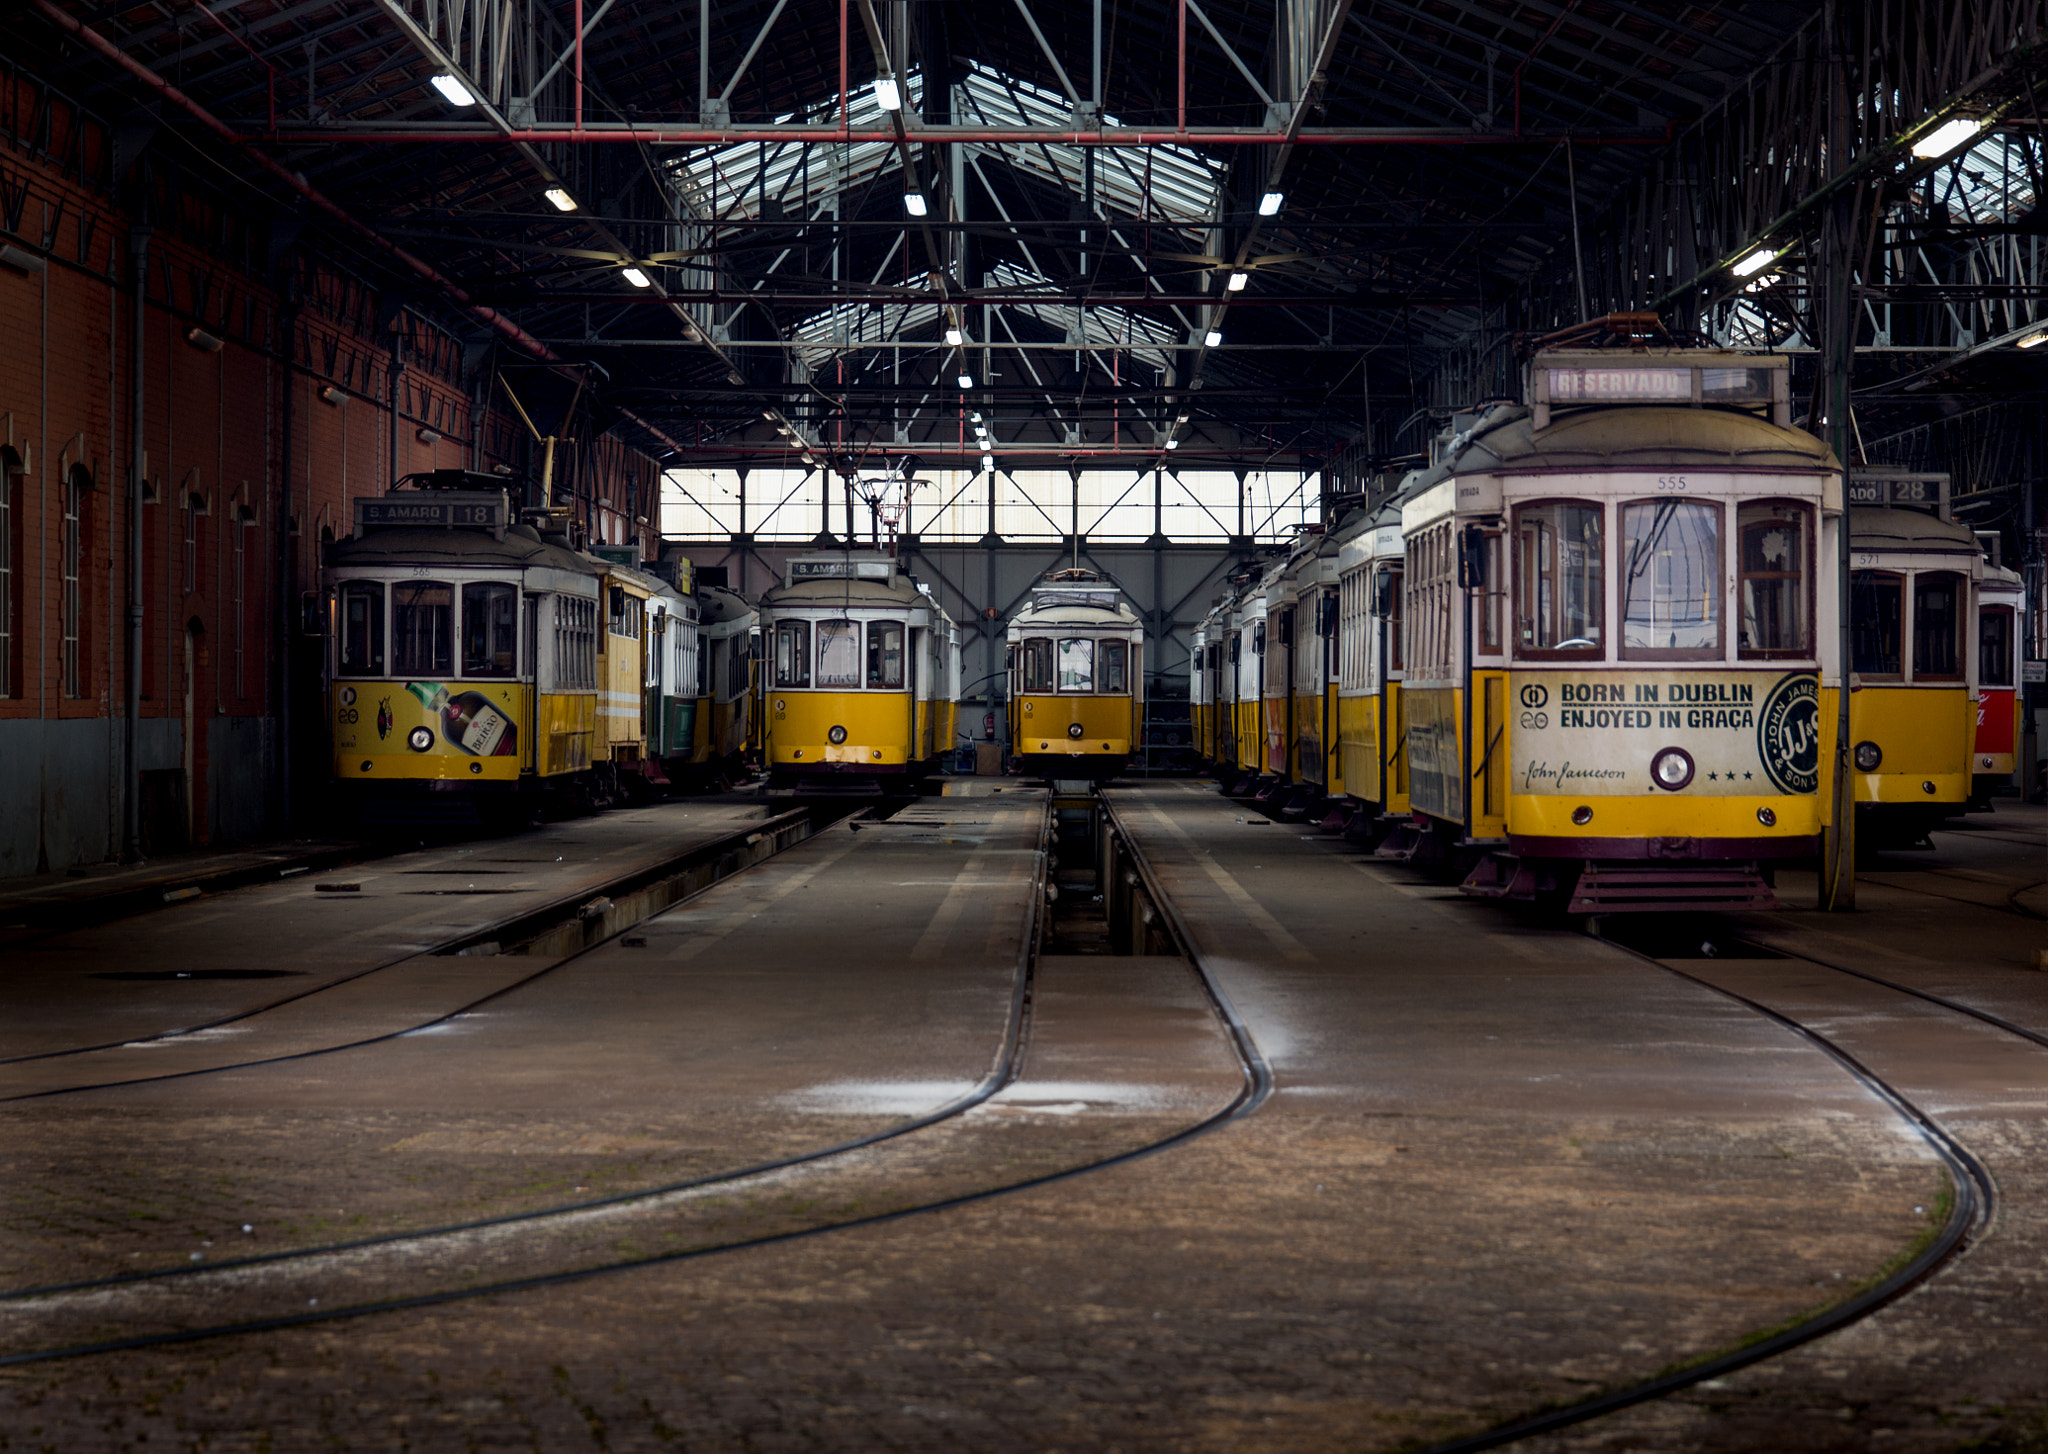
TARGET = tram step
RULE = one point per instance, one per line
(1607, 889)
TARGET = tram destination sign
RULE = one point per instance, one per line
(1898, 488)
(440, 510)
(1741, 734)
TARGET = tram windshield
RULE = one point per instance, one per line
(1115, 674)
(1994, 647)
(1671, 579)
(1038, 664)
(1559, 603)
(422, 628)
(1772, 552)
(1937, 626)
(792, 656)
(488, 609)
(362, 629)
(1077, 664)
(1876, 610)
(838, 654)
(885, 653)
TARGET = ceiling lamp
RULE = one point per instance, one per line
(637, 278)
(1756, 262)
(967, 381)
(1237, 282)
(953, 338)
(200, 339)
(2037, 337)
(562, 200)
(888, 95)
(914, 204)
(988, 462)
(1213, 338)
(454, 91)
(1946, 137)
(1270, 204)
(1173, 444)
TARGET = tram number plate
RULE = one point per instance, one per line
(1671, 485)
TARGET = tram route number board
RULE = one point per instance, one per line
(1595, 733)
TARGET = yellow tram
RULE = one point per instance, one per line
(463, 662)
(2001, 605)
(1077, 678)
(1913, 592)
(859, 683)
(1372, 762)
(1617, 660)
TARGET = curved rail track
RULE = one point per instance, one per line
(1255, 1086)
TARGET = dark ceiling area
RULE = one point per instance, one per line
(1091, 173)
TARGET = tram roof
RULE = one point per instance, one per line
(521, 549)
(1881, 527)
(1633, 437)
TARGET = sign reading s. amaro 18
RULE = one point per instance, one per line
(1746, 733)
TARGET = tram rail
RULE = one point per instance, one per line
(1141, 897)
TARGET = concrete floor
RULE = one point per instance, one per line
(1505, 1166)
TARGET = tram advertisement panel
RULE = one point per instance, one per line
(460, 719)
(1995, 716)
(1435, 780)
(1635, 732)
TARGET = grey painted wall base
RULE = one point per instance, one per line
(58, 804)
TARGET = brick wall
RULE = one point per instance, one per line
(256, 447)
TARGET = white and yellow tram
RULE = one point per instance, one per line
(860, 677)
(1372, 762)
(1618, 666)
(1077, 678)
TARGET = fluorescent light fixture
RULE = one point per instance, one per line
(428, 436)
(914, 204)
(334, 396)
(1173, 444)
(769, 415)
(20, 261)
(454, 91)
(967, 381)
(952, 338)
(562, 200)
(1270, 204)
(1237, 282)
(732, 376)
(888, 95)
(975, 416)
(637, 278)
(2038, 336)
(200, 339)
(1213, 338)
(1757, 261)
(1946, 137)
(988, 461)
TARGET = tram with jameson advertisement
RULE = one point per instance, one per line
(1618, 660)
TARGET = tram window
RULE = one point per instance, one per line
(885, 653)
(1077, 664)
(422, 628)
(1397, 645)
(575, 643)
(1772, 554)
(1937, 626)
(1492, 595)
(792, 654)
(1994, 647)
(362, 629)
(838, 654)
(1038, 665)
(1115, 667)
(1671, 579)
(1876, 608)
(707, 666)
(1560, 583)
(489, 609)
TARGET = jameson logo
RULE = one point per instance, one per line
(1788, 735)
(1540, 776)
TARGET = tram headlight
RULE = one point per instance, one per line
(1868, 756)
(1767, 817)
(1073, 729)
(1582, 815)
(836, 736)
(1671, 769)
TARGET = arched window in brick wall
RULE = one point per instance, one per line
(71, 560)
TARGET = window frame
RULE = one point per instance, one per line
(1716, 510)
(1524, 579)
(402, 664)
(792, 661)
(1809, 595)
(2009, 665)
(857, 673)
(1901, 578)
(879, 628)
(497, 590)
(1036, 651)
(1113, 649)
(1060, 645)
(1959, 641)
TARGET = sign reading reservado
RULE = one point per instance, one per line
(1595, 733)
